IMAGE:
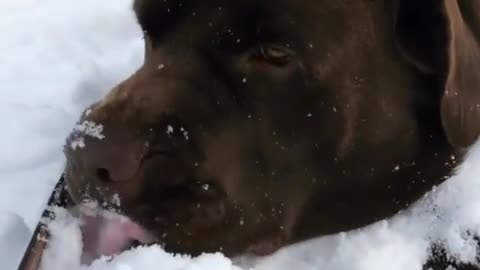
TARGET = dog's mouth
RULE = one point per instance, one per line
(105, 233)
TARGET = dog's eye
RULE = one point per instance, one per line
(275, 54)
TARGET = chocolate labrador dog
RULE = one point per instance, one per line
(256, 124)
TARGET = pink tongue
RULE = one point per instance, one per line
(108, 235)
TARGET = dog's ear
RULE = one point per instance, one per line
(442, 37)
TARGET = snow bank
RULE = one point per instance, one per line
(402, 242)
(67, 237)
(58, 56)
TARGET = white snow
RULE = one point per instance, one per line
(91, 129)
(86, 128)
(58, 56)
(170, 130)
(185, 133)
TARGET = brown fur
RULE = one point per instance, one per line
(304, 118)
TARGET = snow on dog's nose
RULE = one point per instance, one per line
(105, 233)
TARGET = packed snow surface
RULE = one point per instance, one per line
(59, 56)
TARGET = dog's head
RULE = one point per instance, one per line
(253, 124)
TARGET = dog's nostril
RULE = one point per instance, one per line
(103, 175)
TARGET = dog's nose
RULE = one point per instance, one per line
(102, 154)
(110, 163)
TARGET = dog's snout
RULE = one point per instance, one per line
(106, 162)
(103, 174)
(110, 155)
